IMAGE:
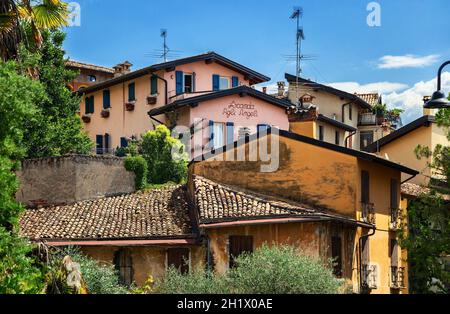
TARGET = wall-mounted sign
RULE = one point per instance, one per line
(240, 110)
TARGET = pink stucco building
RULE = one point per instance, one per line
(207, 90)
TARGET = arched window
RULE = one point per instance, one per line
(92, 78)
(124, 265)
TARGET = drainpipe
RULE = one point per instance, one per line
(360, 257)
(165, 87)
(346, 139)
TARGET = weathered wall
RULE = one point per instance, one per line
(65, 180)
(147, 261)
(402, 151)
(312, 239)
(306, 173)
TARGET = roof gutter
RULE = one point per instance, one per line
(407, 180)
(360, 257)
(121, 242)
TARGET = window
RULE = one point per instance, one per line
(89, 104)
(179, 259)
(106, 99)
(124, 265)
(123, 142)
(218, 140)
(92, 78)
(103, 143)
(224, 83)
(337, 139)
(239, 245)
(230, 133)
(188, 83)
(99, 144)
(350, 112)
(365, 187)
(394, 194)
(154, 85)
(321, 134)
(393, 252)
(336, 255)
(263, 128)
(131, 92)
(243, 133)
(366, 139)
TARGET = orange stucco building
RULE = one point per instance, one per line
(328, 201)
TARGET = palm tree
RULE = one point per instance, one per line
(10, 35)
(20, 18)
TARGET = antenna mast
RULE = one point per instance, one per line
(165, 48)
(297, 14)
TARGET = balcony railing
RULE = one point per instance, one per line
(396, 219)
(397, 277)
(367, 119)
(368, 213)
(369, 276)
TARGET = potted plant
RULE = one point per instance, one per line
(129, 106)
(151, 100)
(105, 113)
(86, 118)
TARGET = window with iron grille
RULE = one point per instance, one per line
(124, 265)
(239, 245)
(179, 259)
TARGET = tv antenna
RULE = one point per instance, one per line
(296, 15)
(165, 48)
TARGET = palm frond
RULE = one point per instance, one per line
(50, 14)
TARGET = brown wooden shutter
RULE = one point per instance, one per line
(238, 246)
(336, 255)
(178, 258)
(394, 252)
(365, 251)
(365, 187)
(124, 265)
(394, 193)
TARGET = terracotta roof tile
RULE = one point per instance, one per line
(372, 99)
(218, 203)
(149, 214)
(82, 65)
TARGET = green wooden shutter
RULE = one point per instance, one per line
(154, 85)
(106, 99)
(131, 92)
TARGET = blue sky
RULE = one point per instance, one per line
(395, 58)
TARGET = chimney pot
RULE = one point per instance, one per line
(281, 88)
(264, 90)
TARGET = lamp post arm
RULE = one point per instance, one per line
(440, 74)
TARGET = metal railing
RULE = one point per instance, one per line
(367, 119)
(397, 277)
(368, 213)
(396, 217)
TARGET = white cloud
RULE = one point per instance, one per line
(379, 87)
(411, 99)
(406, 61)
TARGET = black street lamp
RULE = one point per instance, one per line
(439, 99)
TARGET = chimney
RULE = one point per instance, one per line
(122, 68)
(281, 88)
(264, 89)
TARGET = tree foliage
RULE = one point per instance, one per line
(269, 270)
(428, 239)
(55, 129)
(164, 155)
(18, 95)
(23, 21)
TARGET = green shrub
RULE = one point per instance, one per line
(275, 270)
(196, 282)
(138, 165)
(158, 148)
(282, 270)
(99, 278)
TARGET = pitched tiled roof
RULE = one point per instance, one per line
(372, 99)
(220, 203)
(415, 190)
(154, 214)
(82, 65)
